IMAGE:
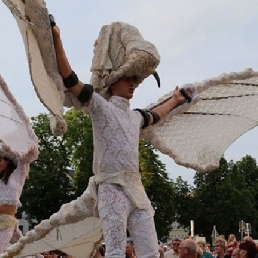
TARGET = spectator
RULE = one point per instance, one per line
(248, 249)
(232, 244)
(161, 252)
(165, 248)
(205, 253)
(100, 251)
(188, 249)
(219, 248)
(46, 255)
(247, 238)
(199, 252)
(236, 253)
(173, 252)
(129, 251)
(57, 254)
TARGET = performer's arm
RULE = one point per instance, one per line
(152, 116)
(176, 99)
(82, 91)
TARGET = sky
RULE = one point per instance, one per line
(196, 39)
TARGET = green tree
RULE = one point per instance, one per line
(223, 200)
(159, 188)
(49, 185)
(247, 167)
(185, 202)
(79, 140)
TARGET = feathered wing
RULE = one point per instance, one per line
(33, 21)
(18, 141)
(197, 134)
(78, 239)
(75, 229)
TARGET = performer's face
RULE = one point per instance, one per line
(124, 87)
(3, 163)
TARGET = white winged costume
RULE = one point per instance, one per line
(120, 51)
(19, 144)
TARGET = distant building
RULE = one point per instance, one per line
(177, 232)
(24, 224)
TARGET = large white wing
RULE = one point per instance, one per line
(77, 239)
(33, 21)
(75, 229)
(197, 134)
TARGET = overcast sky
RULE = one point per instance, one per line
(197, 40)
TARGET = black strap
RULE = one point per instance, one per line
(71, 80)
(187, 97)
(145, 115)
(155, 116)
(86, 93)
(52, 20)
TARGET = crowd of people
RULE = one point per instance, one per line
(221, 248)
(55, 254)
(189, 248)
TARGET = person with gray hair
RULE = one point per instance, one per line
(188, 249)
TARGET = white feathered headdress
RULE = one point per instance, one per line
(121, 51)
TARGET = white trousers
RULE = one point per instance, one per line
(117, 213)
(5, 237)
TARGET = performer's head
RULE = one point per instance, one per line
(124, 87)
(7, 166)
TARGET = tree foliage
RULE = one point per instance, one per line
(159, 189)
(49, 185)
(222, 198)
(184, 202)
(79, 138)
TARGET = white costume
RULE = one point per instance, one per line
(19, 144)
(122, 200)
(9, 195)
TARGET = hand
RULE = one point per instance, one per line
(55, 28)
(179, 97)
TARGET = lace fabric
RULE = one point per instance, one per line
(117, 212)
(116, 134)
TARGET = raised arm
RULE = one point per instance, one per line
(82, 91)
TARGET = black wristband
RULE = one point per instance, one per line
(52, 20)
(187, 97)
(71, 80)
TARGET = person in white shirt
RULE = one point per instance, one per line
(174, 251)
(122, 201)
